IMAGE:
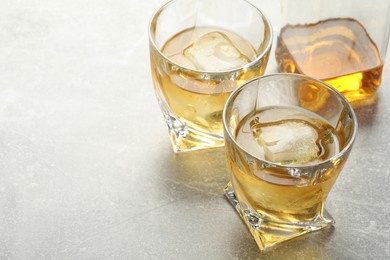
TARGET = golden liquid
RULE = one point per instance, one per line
(275, 193)
(199, 102)
(337, 51)
(195, 97)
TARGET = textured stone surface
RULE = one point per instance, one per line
(86, 167)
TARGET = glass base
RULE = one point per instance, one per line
(268, 234)
(185, 139)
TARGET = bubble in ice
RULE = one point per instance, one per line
(288, 141)
(214, 51)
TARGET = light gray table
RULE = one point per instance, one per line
(86, 167)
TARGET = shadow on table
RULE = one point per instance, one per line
(366, 115)
(202, 175)
(201, 171)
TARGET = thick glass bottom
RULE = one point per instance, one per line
(268, 234)
(185, 139)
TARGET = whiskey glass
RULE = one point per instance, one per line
(288, 137)
(200, 51)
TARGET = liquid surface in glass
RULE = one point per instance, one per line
(199, 101)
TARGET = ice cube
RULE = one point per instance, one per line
(288, 141)
(214, 51)
(182, 60)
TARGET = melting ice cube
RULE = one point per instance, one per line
(214, 51)
(287, 141)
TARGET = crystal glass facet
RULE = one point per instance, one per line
(288, 137)
(200, 51)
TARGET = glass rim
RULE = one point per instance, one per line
(267, 23)
(341, 153)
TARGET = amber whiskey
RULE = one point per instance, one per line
(287, 136)
(204, 66)
(337, 51)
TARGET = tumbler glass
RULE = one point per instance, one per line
(288, 137)
(200, 51)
